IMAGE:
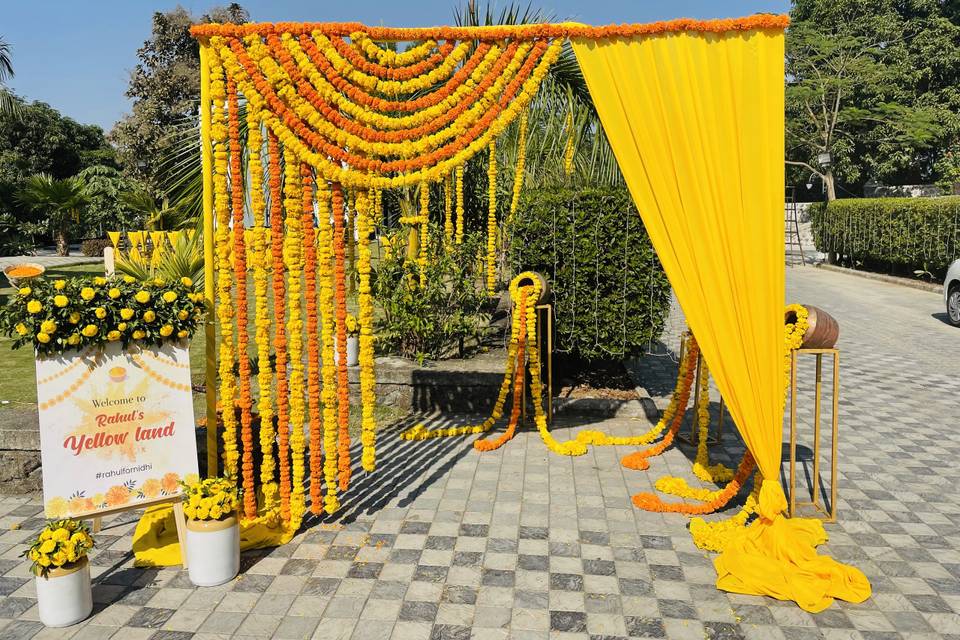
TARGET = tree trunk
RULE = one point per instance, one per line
(829, 182)
(63, 243)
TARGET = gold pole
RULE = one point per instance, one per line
(818, 384)
(793, 432)
(833, 444)
(206, 161)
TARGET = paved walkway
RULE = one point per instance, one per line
(49, 260)
(442, 542)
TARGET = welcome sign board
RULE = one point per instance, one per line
(116, 427)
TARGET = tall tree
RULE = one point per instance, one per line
(8, 104)
(872, 83)
(165, 89)
(61, 202)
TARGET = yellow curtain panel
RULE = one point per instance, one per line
(696, 123)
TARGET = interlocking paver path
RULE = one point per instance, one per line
(443, 542)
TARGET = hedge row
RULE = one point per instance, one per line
(900, 235)
(610, 294)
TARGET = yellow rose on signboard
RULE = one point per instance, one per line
(74, 318)
(99, 281)
(43, 338)
(59, 284)
(25, 291)
(113, 336)
(183, 333)
(183, 314)
(90, 330)
(87, 293)
(48, 326)
(126, 313)
(74, 339)
(129, 279)
(166, 330)
(122, 326)
(22, 328)
(61, 301)
(187, 282)
(169, 296)
(34, 306)
(143, 297)
(114, 293)
(138, 335)
(101, 312)
(149, 315)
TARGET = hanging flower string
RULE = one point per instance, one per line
(492, 220)
(521, 162)
(368, 380)
(240, 278)
(340, 303)
(313, 336)
(328, 395)
(447, 210)
(458, 177)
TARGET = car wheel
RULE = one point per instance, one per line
(953, 305)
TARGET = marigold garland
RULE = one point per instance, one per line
(331, 502)
(702, 468)
(313, 338)
(568, 148)
(521, 162)
(491, 258)
(279, 318)
(340, 304)
(424, 222)
(244, 401)
(460, 209)
(293, 504)
(260, 259)
(491, 33)
(368, 380)
(710, 500)
(518, 390)
(225, 311)
(447, 210)
(355, 58)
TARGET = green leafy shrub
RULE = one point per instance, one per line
(900, 235)
(94, 246)
(445, 316)
(610, 294)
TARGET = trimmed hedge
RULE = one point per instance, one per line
(899, 235)
(94, 246)
(610, 295)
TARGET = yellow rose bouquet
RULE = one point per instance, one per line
(353, 327)
(61, 543)
(210, 499)
(55, 316)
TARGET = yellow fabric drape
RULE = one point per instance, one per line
(696, 123)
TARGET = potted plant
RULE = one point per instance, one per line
(213, 531)
(353, 340)
(59, 557)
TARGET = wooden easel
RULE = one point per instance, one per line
(175, 501)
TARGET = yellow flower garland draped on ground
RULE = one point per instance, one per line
(709, 115)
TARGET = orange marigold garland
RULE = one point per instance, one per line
(447, 210)
(225, 311)
(368, 380)
(518, 390)
(521, 164)
(280, 319)
(710, 500)
(313, 344)
(340, 302)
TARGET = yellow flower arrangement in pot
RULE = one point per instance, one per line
(213, 531)
(353, 340)
(59, 562)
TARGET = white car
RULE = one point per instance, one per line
(951, 293)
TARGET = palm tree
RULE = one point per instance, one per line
(9, 105)
(162, 217)
(60, 201)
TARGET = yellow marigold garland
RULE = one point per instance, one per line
(292, 506)
(259, 255)
(458, 178)
(244, 401)
(521, 162)
(313, 337)
(225, 312)
(328, 397)
(492, 220)
(340, 307)
(424, 222)
(368, 380)
(702, 468)
(447, 209)
(568, 148)
(389, 57)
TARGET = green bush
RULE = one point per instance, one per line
(94, 246)
(900, 235)
(610, 294)
(443, 318)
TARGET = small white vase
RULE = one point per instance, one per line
(213, 551)
(64, 596)
(353, 351)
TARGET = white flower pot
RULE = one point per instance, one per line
(213, 551)
(64, 595)
(353, 351)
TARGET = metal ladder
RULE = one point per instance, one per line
(792, 228)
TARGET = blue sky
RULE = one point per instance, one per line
(77, 55)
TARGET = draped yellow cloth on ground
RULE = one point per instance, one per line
(696, 123)
(155, 542)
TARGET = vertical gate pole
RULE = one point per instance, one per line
(206, 161)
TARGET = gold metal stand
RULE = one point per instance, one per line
(545, 337)
(694, 437)
(830, 516)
